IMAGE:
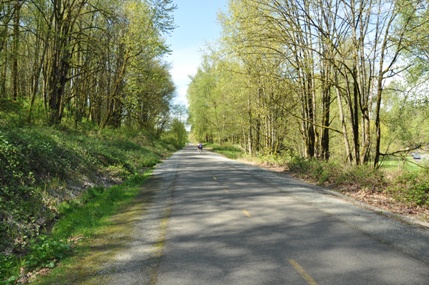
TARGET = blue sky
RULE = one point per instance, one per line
(196, 22)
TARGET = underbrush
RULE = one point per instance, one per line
(77, 218)
(409, 186)
(229, 151)
(336, 175)
(48, 173)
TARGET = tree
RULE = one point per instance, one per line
(71, 59)
(319, 52)
(178, 132)
(150, 90)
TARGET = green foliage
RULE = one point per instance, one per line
(45, 251)
(9, 269)
(22, 210)
(338, 175)
(11, 113)
(405, 116)
(77, 217)
(230, 151)
(315, 170)
(177, 135)
(299, 164)
(84, 215)
(412, 187)
(43, 176)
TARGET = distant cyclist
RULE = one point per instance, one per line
(200, 147)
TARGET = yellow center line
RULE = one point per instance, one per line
(247, 214)
(302, 272)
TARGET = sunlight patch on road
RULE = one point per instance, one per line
(247, 214)
(302, 272)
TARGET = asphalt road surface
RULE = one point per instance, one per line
(231, 223)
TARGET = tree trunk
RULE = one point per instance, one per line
(349, 156)
(15, 46)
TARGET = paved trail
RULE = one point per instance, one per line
(231, 223)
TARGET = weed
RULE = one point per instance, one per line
(44, 251)
(411, 187)
(45, 176)
(230, 151)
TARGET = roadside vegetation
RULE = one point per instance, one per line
(59, 184)
(86, 110)
(399, 185)
(229, 151)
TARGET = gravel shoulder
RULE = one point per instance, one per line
(138, 262)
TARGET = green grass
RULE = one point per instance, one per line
(83, 217)
(44, 194)
(399, 164)
(229, 151)
(110, 232)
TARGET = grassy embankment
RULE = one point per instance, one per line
(58, 186)
(399, 184)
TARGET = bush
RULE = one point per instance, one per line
(411, 187)
(338, 175)
(44, 251)
(314, 170)
(10, 268)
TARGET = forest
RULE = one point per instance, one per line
(332, 80)
(87, 61)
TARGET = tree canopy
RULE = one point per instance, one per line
(87, 61)
(313, 78)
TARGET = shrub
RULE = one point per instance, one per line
(411, 187)
(299, 165)
(338, 175)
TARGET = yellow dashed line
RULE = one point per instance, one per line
(302, 272)
(247, 214)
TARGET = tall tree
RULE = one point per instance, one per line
(321, 51)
